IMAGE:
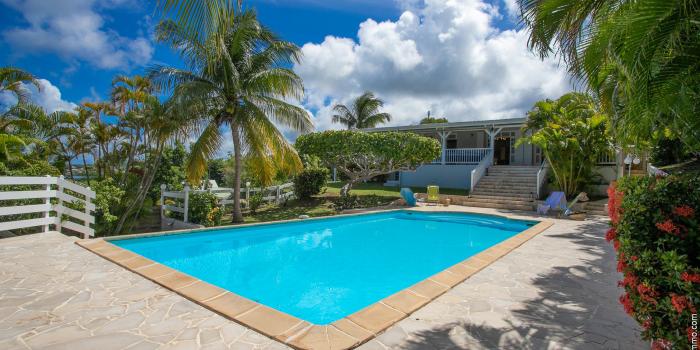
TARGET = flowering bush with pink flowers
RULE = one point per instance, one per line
(655, 231)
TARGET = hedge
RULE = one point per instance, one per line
(655, 234)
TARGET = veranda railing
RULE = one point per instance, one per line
(42, 201)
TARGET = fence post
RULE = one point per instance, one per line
(59, 206)
(247, 193)
(87, 212)
(47, 214)
(162, 202)
(187, 201)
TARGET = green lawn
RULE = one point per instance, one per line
(378, 189)
(323, 205)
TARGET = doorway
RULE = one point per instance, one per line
(502, 151)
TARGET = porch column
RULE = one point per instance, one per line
(443, 137)
(492, 138)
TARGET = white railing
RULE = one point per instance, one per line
(274, 194)
(541, 178)
(480, 170)
(607, 158)
(462, 156)
(55, 191)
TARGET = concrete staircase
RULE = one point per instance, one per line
(506, 187)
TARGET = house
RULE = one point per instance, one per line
(482, 157)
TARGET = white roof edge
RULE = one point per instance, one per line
(468, 124)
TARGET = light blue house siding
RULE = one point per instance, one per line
(445, 176)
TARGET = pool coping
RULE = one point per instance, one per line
(346, 333)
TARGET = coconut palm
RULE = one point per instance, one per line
(242, 90)
(640, 57)
(12, 80)
(162, 124)
(82, 141)
(363, 113)
(99, 130)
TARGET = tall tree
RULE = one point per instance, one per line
(640, 57)
(243, 89)
(572, 133)
(363, 113)
(13, 79)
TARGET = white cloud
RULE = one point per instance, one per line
(445, 56)
(74, 30)
(48, 97)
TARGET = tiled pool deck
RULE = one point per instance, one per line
(557, 290)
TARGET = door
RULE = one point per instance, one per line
(502, 151)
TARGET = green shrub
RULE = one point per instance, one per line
(203, 209)
(108, 197)
(310, 182)
(656, 235)
(255, 201)
(355, 202)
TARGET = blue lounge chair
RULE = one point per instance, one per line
(556, 200)
(408, 196)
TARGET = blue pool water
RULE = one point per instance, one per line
(323, 270)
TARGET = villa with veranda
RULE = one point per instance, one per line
(482, 156)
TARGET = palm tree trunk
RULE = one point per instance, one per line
(137, 203)
(237, 215)
(87, 173)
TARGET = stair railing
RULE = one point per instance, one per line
(541, 178)
(480, 170)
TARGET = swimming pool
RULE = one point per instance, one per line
(326, 269)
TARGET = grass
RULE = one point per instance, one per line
(377, 189)
(322, 205)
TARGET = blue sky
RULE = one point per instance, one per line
(78, 79)
(463, 60)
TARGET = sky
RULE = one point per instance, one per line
(460, 59)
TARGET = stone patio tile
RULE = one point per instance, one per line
(201, 291)
(376, 317)
(447, 278)
(406, 301)
(154, 271)
(268, 320)
(176, 280)
(351, 328)
(314, 337)
(136, 262)
(340, 340)
(230, 304)
(429, 289)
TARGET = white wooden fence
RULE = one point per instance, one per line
(275, 194)
(463, 156)
(57, 189)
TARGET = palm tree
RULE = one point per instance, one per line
(99, 130)
(364, 112)
(243, 89)
(639, 57)
(163, 124)
(82, 142)
(128, 95)
(12, 79)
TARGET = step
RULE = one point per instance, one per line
(500, 206)
(502, 200)
(515, 197)
(506, 181)
(502, 193)
(500, 187)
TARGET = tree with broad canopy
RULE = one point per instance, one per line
(362, 156)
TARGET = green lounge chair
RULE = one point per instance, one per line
(433, 195)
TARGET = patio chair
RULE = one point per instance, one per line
(408, 196)
(555, 201)
(433, 194)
